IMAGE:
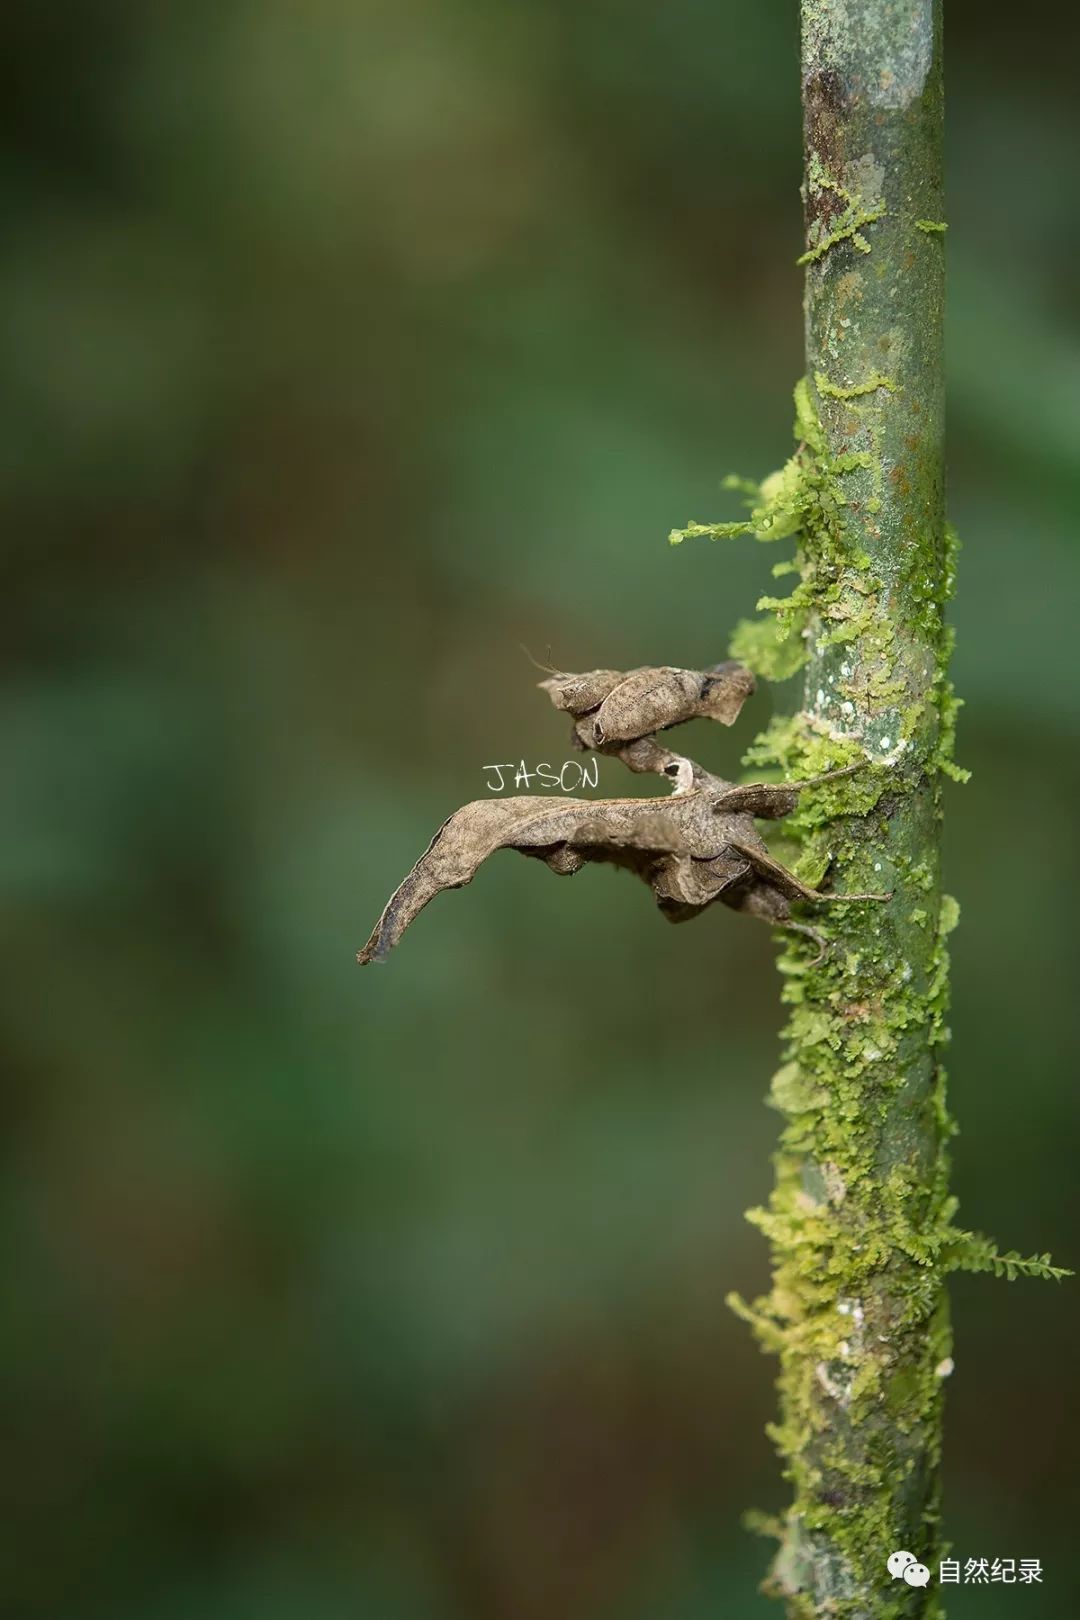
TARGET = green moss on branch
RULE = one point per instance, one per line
(860, 1221)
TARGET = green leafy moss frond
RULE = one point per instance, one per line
(848, 227)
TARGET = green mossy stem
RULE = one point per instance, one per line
(860, 1221)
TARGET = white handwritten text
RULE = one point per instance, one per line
(569, 778)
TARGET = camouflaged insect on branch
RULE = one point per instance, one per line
(611, 707)
(697, 846)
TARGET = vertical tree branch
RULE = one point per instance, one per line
(859, 1218)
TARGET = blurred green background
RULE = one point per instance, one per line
(346, 348)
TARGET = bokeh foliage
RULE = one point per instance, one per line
(345, 349)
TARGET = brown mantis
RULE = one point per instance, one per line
(694, 847)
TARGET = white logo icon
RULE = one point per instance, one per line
(898, 1563)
